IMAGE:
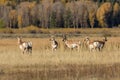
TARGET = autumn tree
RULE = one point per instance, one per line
(116, 14)
(58, 11)
(92, 9)
(103, 14)
(67, 18)
(13, 18)
(4, 15)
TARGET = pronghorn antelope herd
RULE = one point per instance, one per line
(92, 45)
(25, 46)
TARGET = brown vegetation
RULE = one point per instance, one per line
(33, 31)
(63, 64)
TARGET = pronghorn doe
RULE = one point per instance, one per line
(25, 46)
(54, 43)
(71, 43)
(96, 44)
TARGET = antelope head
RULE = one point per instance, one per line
(64, 38)
(52, 38)
(19, 40)
(86, 39)
(105, 39)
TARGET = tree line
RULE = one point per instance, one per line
(60, 13)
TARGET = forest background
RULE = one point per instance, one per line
(59, 13)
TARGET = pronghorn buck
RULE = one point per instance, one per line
(96, 44)
(25, 46)
(54, 43)
(101, 44)
(71, 43)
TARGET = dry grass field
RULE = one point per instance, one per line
(63, 64)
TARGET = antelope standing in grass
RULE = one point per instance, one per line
(25, 46)
(101, 44)
(71, 43)
(54, 43)
(96, 44)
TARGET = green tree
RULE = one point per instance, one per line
(53, 20)
(67, 19)
(1, 24)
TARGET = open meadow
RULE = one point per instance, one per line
(63, 64)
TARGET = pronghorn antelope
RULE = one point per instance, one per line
(101, 43)
(91, 44)
(71, 43)
(54, 44)
(25, 46)
(96, 44)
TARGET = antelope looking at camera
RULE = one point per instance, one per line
(25, 46)
(96, 44)
(54, 44)
(71, 43)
